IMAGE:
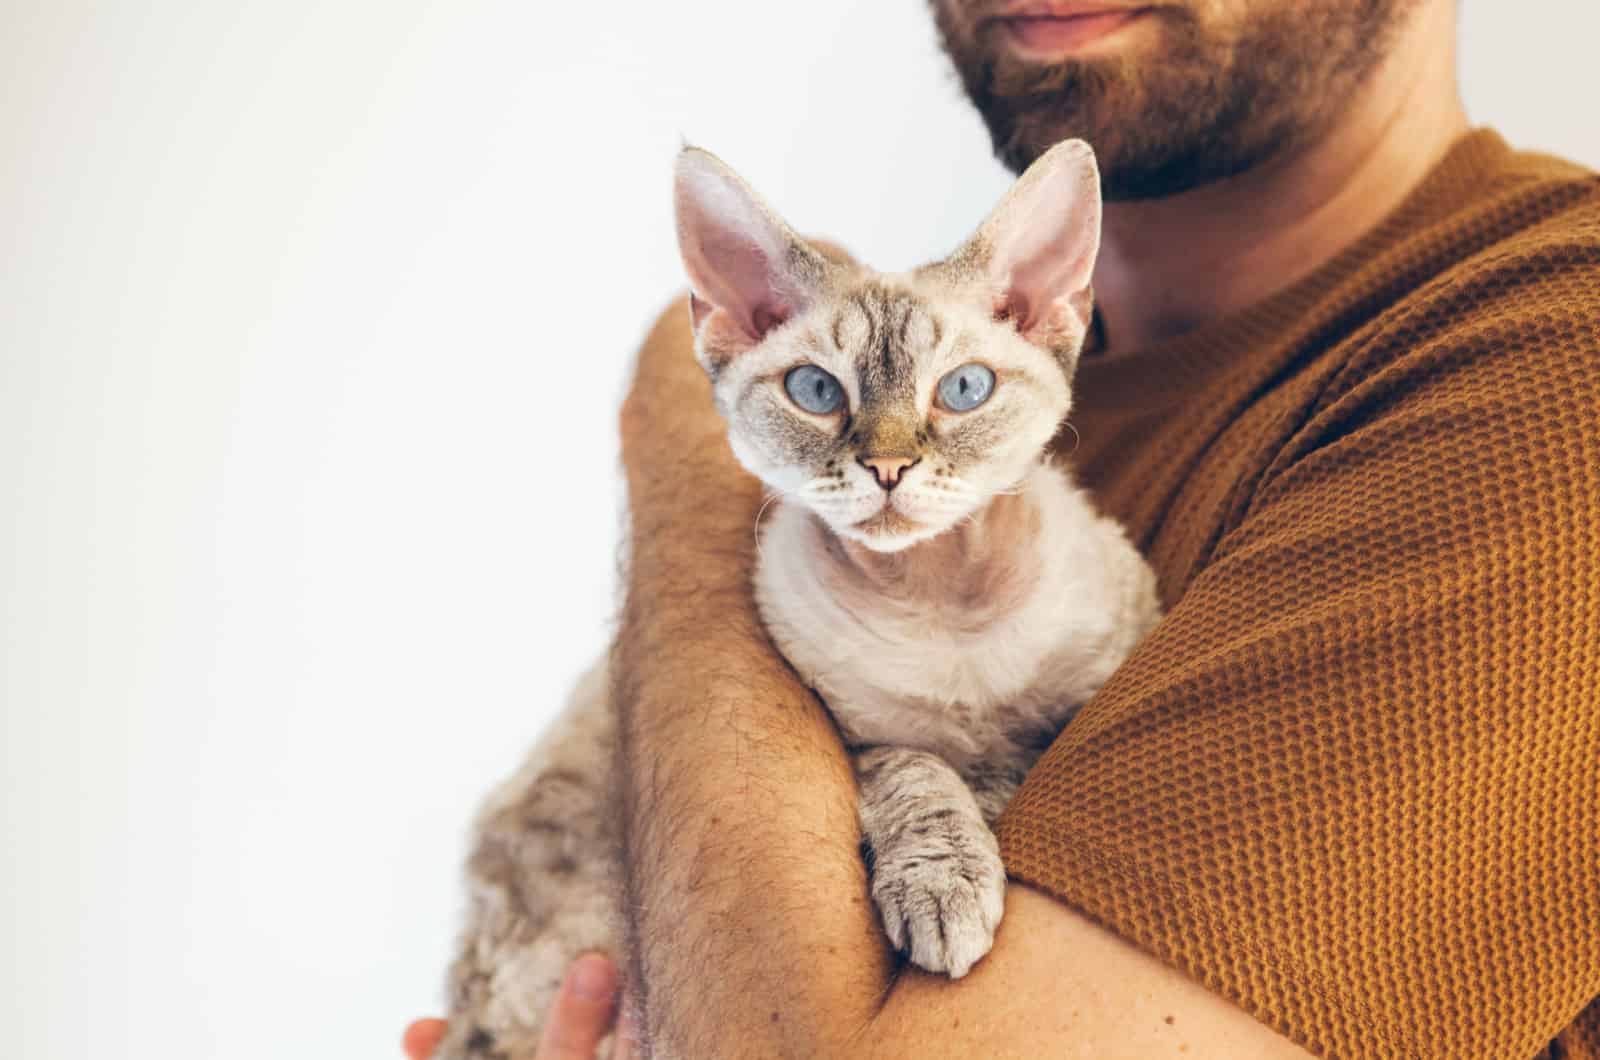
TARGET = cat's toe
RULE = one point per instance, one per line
(942, 913)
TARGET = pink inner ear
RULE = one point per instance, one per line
(1042, 289)
(1035, 320)
(766, 319)
(727, 270)
(1043, 239)
(736, 253)
(763, 321)
(1006, 308)
(1046, 266)
(699, 309)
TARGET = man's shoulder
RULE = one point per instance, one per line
(1523, 271)
(1497, 249)
(1549, 210)
(1501, 310)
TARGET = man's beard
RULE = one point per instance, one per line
(1205, 103)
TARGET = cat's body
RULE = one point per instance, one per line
(951, 595)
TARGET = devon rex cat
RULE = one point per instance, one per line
(950, 593)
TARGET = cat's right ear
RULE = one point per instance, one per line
(748, 271)
(1033, 259)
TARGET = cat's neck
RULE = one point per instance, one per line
(981, 563)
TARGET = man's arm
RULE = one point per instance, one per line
(751, 921)
(1058, 985)
(752, 929)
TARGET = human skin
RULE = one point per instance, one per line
(1168, 266)
(742, 850)
(583, 1012)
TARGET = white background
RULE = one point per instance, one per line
(313, 321)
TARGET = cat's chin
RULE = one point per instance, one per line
(888, 531)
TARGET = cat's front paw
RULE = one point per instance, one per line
(941, 897)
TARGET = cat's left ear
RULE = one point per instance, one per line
(748, 270)
(1035, 254)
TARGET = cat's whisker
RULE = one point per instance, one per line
(1077, 439)
(756, 530)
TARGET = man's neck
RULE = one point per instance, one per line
(1169, 266)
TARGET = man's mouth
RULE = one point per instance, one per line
(1055, 27)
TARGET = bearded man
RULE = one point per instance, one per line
(1344, 391)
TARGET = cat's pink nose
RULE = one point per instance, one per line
(888, 468)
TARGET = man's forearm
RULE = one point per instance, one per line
(751, 921)
(749, 907)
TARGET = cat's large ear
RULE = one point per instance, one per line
(1034, 255)
(748, 271)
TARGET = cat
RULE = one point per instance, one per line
(948, 591)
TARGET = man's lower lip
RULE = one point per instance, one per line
(1057, 35)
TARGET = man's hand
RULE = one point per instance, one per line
(582, 1015)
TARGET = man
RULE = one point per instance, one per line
(1345, 393)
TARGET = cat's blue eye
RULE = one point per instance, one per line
(966, 388)
(814, 390)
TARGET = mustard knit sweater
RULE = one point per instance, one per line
(1352, 781)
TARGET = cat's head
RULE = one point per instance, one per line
(892, 406)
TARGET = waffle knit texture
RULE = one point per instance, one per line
(1352, 781)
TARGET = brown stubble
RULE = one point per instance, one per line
(1219, 88)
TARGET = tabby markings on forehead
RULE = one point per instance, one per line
(850, 329)
(811, 344)
(885, 329)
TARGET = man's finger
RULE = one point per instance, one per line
(422, 1038)
(583, 1012)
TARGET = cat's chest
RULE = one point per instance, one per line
(928, 681)
(966, 660)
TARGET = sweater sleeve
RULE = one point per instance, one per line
(1352, 781)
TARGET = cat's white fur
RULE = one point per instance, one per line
(974, 680)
